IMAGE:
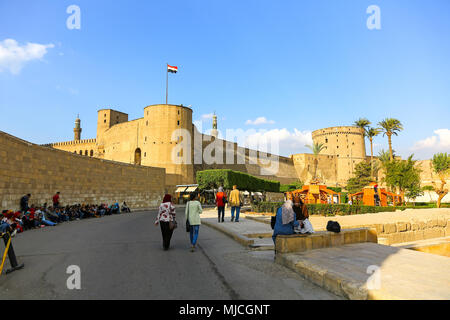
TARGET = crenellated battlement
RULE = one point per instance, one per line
(342, 130)
(70, 143)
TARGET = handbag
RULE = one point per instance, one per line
(173, 224)
(188, 225)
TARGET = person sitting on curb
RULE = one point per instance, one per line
(302, 216)
(285, 221)
(125, 207)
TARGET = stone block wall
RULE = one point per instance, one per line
(323, 239)
(41, 171)
(400, 232)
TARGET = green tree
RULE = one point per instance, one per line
(362, 123)
(428, 188)
(361, 177)
(403, 175)
(316, 148)
(384, 156)
(441, 166)
(414, 192)
(390, 126)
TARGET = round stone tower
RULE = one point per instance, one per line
(346, 144)
(167, 131)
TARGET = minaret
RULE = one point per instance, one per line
(214, 131)
(77, 129)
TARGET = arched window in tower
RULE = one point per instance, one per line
(92, 153)
(81, 152)
(137, 156)
(85, 152)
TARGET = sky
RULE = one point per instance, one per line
(282, 68)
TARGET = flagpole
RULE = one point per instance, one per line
(167, 82)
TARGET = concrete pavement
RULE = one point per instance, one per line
(247, 232)
(121, 257)
(371, 271)
(345, 270)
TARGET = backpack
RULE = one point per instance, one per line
(333, 226)
(273, 220)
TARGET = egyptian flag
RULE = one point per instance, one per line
(172, 69)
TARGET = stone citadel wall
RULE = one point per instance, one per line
(41, 171)
(85, 147)
(251, 161)
(152, 140)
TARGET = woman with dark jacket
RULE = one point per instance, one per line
(166, 218)
(302, 216)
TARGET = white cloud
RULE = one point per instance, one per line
(285, 141)
(73, 91)
(258, 121)
(440, 142)
(13, 56)
(207, 116)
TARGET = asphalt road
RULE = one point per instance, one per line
(121, 257)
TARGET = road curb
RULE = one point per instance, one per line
(236, 236)
(325, 279)
(257, 219)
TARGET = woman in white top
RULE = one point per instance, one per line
(193, 211)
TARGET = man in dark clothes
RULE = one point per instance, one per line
(24, 203)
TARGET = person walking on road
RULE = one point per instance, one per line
(193, 212)
(166, 220)
(221, 200)
(235, 203)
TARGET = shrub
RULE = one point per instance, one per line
(228, 178)
(291, 187)
(327, 209)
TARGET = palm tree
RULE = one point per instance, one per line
(383, 156)
(362, 123)
(389, 127)
(371, 133)
(316, 148)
